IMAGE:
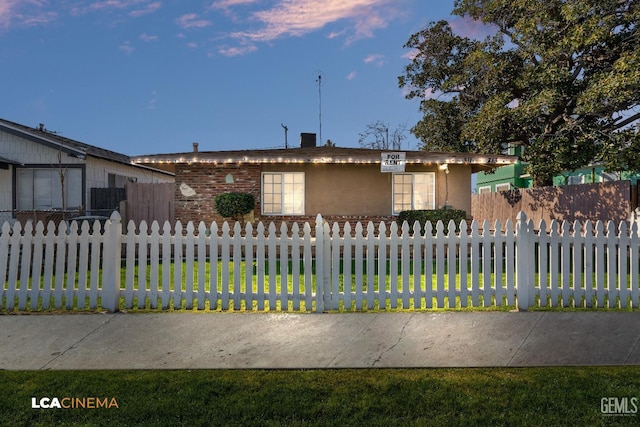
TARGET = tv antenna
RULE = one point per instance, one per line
(320, 79)
(286, 129)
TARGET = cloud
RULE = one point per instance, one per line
(191, 20)
(300, 17)
(147, 38)
(225, 4)
(24, 13)
(466, 26)
(411, 55)
(146, 9)
(237, 51)
(151, 105)
(127, 48)
(375, 59)
(351, 75)
(142, 7)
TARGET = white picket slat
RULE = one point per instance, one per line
(38, 250)
(623, 248)
(384, 241)
(25, 267)
(308, 268)
(237, 267)
(225, 260)
(154, 264)
(295, 266)
(177, 266)
(600, 266)
(566, 264)
(406, 262)
(346, 266)
(248, 272)
(577, 263)
(588, 263)
(143, 238)
(201, 243)
(371, 255)
(417, 265)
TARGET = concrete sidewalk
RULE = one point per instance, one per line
(354, 340)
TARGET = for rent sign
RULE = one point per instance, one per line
(393, 162)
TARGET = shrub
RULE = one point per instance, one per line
(234, 205)
(432, 215)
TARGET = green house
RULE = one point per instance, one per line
(504, 178)
(593, 173)
(513, 176)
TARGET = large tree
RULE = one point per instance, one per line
(560, 77)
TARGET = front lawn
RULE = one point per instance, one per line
(372, 397)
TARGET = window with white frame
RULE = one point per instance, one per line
(413, 191)
(503, 187)
(283, 193)
(484, 190)
(41, 188)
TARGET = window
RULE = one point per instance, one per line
(283, 193)
(575, 179)
(484, 190)
(41, 189)
(413, 191)
(609, 176)
(503, 187)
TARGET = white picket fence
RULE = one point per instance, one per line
(562, 265)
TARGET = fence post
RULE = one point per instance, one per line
(319, 264)
(524, 258)
(111, 267)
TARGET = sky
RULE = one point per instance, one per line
(153, 76)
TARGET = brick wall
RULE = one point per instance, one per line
(207, 181)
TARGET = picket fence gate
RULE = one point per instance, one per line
(81, 267)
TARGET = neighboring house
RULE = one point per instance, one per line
(504, 178)
(32, 161)
(342, 184)
(591, 174)
(513, 176)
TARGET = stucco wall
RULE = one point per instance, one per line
(332, 190)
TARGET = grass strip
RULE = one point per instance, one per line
(346, 397)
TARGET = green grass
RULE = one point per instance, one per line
(372, 397)
(237, 281)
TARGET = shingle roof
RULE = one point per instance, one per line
(75, 148)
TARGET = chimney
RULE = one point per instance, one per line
(195, 147)
(307, 140)
(41, 127)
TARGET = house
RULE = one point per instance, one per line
(342, 184)
(37, 166)
(513, 176)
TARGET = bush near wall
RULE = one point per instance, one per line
(433, 215)
(234, 205)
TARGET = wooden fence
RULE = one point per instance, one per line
(609, 201)
(150, 201)
(572, 265)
